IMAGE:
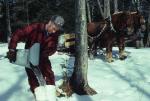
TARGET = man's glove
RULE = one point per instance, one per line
(11, 55)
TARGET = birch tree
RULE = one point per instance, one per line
(115, 5)
(88, 11)
(148, 38)
(106, 8)
(100, 8)
(1, 15)
(8, 20)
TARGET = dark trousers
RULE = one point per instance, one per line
(48, 74)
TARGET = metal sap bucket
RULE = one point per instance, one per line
(26, 56)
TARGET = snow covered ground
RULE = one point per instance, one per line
(127, 80)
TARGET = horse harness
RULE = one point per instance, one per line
(98, 35)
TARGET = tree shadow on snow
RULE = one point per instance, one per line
(14, 88)
(84, 98)
(129, 81)
(115, 55)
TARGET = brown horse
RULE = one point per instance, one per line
(136, 21)
(124, 24)
(135, 24)
(100, 35)
(119, 22)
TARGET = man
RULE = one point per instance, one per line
(47, 36)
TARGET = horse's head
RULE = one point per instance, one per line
(135, 21)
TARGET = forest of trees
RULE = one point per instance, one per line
(18, 13)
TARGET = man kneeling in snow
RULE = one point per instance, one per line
(47, 36)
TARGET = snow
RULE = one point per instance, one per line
(127, 80)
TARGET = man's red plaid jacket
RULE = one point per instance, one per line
(48, 45)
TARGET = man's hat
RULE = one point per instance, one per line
(58, 20)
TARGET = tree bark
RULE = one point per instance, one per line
(100, 8)
(8, 20)
(115, 5)
(136, 4)
(1, 13)
(148, 37)
(106, 8)
(79, 80)
(88, 11)
(27, 12)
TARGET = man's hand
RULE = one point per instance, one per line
(11, 55)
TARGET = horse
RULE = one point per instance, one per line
(119, 22)
(124, 24)
(105, 33)
(100, 35)
(136, 27)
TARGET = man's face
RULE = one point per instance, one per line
(51, 27)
